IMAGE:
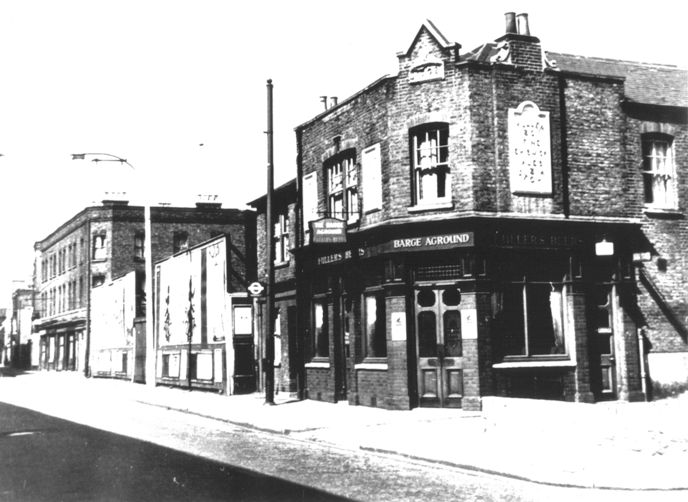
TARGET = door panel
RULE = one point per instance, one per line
(438, 338)
(603, 363)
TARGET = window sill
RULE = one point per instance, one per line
(662, 212)
(536, 363)
(431, 206)
(281, 264)
(318, 364)
(372, 365)
(98, 260)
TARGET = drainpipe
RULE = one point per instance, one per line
(564, 147)
(643, 369)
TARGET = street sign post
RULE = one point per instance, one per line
(256, 288)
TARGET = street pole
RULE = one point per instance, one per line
(269, 366)
(151, 354)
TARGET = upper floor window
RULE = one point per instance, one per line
(659, 174)
(180, 242)
(99, 246)
(138, 246)
(430, 164)
(281, 238)
(342, 188)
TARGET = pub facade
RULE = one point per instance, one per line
(468, 228)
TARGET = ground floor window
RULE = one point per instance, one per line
(321, 340)
(375, 325)
(532, 319)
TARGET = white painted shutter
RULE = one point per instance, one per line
(371, 168)
(310, 198)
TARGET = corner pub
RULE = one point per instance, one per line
(490, 213)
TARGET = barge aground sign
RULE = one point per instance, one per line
(463, 239)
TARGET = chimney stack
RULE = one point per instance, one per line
(510, 22)
(522, 22)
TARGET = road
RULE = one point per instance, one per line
(113, 448)
(46, 458)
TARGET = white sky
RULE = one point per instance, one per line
(151, 80)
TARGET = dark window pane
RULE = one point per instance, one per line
(541, 339)
(427, 334)
(451, 297)
(322, 346)
(511, 318)
(452, 333)
(604, 344)
(375, 326)
(426, 298)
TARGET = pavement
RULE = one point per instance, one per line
(613, 445)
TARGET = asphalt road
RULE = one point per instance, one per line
(46, 458)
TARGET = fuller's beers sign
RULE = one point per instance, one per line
(530, 166)
(328, 231)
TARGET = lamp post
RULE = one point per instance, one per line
(269, 368)
(148, 255)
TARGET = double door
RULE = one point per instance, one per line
(438, 345)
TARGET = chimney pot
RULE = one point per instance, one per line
(510, 18)
(522, 22)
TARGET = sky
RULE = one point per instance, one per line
(178, 88)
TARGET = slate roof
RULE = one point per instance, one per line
(645, 82)
(648, 83)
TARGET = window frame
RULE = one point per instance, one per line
(651, 171)
(281, 239)
(526, 322)
(180, 241)
(139, 246)
(420, 168)
(99, 247)
(342, 187)
(317, 337)
(374, 344)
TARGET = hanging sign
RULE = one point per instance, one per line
(328, 231)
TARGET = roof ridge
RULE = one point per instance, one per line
(626, 61)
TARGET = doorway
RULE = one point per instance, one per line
(438, 345)
(602, 343)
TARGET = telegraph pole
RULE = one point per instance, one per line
(269, 366)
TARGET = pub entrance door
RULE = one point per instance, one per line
(438, 345)
(603, 364)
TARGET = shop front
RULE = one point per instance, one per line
(445, 313)
(61, 349)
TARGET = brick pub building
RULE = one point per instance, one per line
(103, 243)
(511, 224)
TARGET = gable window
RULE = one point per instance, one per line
(430, 164)
(99, 243)
(138, 246)
(659, 174)
(180, 242)
(342, 188)
(281, 238)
